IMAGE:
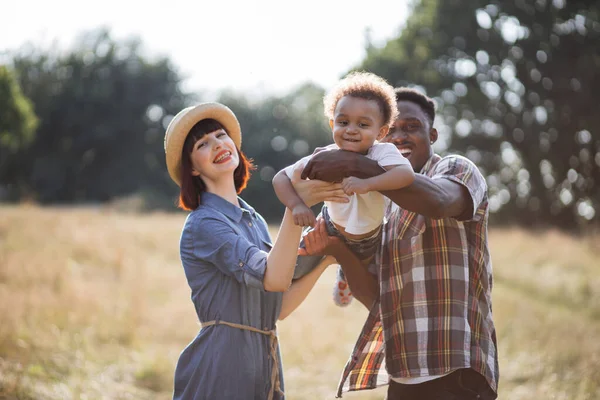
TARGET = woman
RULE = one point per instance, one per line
(240, 283)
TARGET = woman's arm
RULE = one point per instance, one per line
(282, 257)
(301, 287)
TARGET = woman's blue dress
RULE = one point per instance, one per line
(224, 254)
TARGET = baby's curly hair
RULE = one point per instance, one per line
(364, 85)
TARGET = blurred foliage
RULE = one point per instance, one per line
(104, 107)
(101, 108)
(516, 85)
(517, 88)
(17, 125)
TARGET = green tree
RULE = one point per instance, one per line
(103, 108)
(516, 84)
(17, 129)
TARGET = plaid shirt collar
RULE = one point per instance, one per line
(434, 159)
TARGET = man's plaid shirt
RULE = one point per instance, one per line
(434, 314)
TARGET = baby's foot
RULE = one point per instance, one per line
(342, 296)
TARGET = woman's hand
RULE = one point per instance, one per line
(314, 191)
(318, 243)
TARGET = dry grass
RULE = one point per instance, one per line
(94, 305)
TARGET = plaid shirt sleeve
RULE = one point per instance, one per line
(462, 171)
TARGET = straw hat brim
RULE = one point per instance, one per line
(180, 126)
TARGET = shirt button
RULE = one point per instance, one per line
(249, 223)
(241, 264)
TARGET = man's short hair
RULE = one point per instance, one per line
(364, 85)
(426, 103)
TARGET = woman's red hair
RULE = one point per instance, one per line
(192, 187)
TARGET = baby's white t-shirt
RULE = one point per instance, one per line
(364, 212)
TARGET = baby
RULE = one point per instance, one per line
(361, 108)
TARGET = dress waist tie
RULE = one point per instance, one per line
(272, 334)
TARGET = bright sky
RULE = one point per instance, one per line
(262, 46)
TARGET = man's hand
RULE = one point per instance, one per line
(353, 185)
(318, 243)
(332, 165)
(303, 215)
(315, 191)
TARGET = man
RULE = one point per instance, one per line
(430, 332)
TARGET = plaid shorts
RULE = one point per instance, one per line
(363, 248)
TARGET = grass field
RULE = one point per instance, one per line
(94, 305)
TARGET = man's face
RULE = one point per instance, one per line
(412, 134)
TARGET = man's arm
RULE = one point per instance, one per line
(363, 284)
(434, 198)
(439, 198)
(335, 165)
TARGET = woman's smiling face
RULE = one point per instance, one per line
(214, 156)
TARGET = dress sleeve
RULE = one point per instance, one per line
(386, 154)
(216, 243)
(462, 171)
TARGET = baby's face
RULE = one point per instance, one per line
(356, 124)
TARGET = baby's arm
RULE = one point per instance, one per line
(302, 214)
(395, 177)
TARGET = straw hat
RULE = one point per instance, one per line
(180, 126)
